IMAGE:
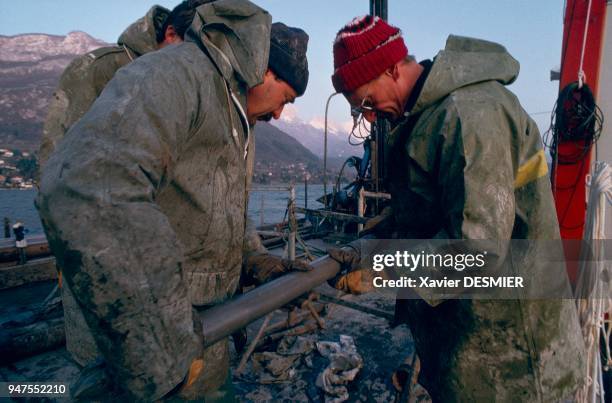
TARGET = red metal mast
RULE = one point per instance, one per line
(569, 179)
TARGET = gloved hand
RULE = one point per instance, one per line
(353, 277)
(192, 386)
(265, 267)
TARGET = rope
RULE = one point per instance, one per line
(127, 52)
(581, 75)
(593, 297)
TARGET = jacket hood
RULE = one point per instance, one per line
(236, 35)
(466, 61)
(141, 36)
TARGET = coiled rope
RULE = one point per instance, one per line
(594, 297)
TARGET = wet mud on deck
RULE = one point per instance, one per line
(382, 348)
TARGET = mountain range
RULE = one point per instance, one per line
(311, 135)
(30, 67)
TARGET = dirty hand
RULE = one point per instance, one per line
(265, 267)
(352, 277)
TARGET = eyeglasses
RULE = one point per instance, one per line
(360, 131)
(366, 106)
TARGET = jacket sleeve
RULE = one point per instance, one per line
(252, 244)
(80, 84)
(476, 174)
(470, 157)
(73, 97)
(476, 180)
(116, 248)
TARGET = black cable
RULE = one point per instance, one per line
(360, 132)
(576, 119)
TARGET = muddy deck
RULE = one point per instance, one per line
(381, 347)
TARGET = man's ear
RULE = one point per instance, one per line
(269, 76)
(394, 71)
(170, 35)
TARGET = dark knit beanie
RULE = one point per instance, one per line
(363, 50)
(288, 55)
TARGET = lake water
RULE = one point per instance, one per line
(18, 205)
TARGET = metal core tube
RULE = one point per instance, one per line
(222, 320)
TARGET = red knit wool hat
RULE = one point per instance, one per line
(363, 50)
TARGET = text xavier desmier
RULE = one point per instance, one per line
(457, 262)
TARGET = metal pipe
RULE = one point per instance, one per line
(379, 8)
(360, 209)
(332, 214)
(261, 211)
(325, 150)
(306, 191)
(380, 128)
(270, 188)
(361, 204)
(376, 195)
(7, 227)
(292, 225)
(222, 320)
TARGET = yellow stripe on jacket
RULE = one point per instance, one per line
(533, 169)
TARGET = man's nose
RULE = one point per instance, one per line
(277, 113)
(370, 116)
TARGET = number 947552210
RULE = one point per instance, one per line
(33, 389)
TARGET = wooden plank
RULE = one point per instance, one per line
(37, 247)
(34, 239)
(332, 214)
(35, 270)
(33, 339)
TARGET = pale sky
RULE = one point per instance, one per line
(530, 30)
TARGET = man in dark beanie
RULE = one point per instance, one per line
(285, 80)
(144, 201)
(287, 72)
(288, 55)
(465, 162)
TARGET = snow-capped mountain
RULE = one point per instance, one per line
(30, 66)
(311, 134)
(37, 47)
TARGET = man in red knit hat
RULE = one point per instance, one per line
(465, 162)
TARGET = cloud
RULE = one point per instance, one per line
(318, 122)
(347, 126)
(290, 113)
(335, 127)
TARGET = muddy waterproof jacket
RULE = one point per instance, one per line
(468, 163)
(80, 84)
(87, 75)
(144, 201)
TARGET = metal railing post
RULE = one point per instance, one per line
(292, 224)
(360, 210)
